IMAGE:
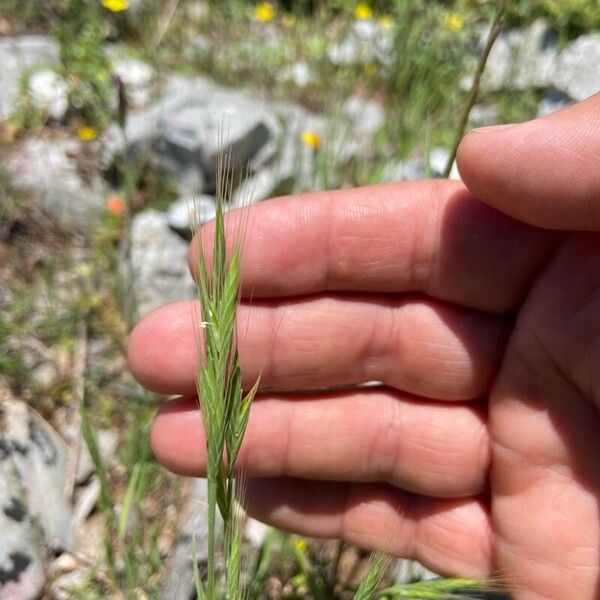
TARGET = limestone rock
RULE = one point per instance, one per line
(48, 168)
(17, 56)
(21, 555)
(522, 58)
(49, 93)
(578, 70)
(159, 262)
(41, 460)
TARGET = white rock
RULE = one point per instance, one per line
(403, 171)
(552, 102)
(49, 93)
(62, 587)
(178, 580)
(578, 70)
(48, 169)
(368, 116)
(21, 554)
(41, 459)
(366, 29)
(199, 10)
(17, 56)
(520, 59)
(178, 216)
(299, 73)
(484, 114)
(255, 532)
(107, 441)
(138, 77)
(159, 262)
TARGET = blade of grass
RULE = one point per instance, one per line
(495, 30)
(368, 586)
(106, 501)
(130, 495)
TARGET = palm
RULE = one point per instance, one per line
(435, 279)
(545, 431)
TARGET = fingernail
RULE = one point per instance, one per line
(494, 128)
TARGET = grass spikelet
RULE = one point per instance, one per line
(368, 586)
(225, 408)
(452, 588)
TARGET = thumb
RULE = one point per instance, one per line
(545, 172)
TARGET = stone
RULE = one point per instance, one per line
(255, 532)
(178, 215)
(521, 59)
(108, 441)
(409, 170)
(553, 101)
(138, 77)
(21, 554)
(193, 123)
(159, 262)
(89, 539)
(368, 116)
(41, 459)
(482, 115)
(366, 41)
(65, 563)
(178, 581)
(198, 10)
(406, 571)
(260, 186)
(63, 586)
(201, 128)
(49, 93)
(578, 70)
(438, 159)
(299, 73)
(198, 48)
(19, 55)
(48, 169)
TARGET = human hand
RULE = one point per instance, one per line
(481, 452)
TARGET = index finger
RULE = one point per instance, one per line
(427, 236)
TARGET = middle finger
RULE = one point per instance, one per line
(418, 345)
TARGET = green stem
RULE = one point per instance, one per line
(212, 514)
(495, 30)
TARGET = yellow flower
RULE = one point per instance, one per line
(87, 134)
(363, 11)
(386, 21)
(84, 270)
(115, 5)
(311, 139)
(370, 69)
(453, 22)
(301, 545)
(264, 12)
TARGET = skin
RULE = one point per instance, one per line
(477, 304)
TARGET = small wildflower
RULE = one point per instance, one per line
(84, 270)
(301, 545)
(115, 205)
(386, 21)
(454, 22)
(87, 134)
(115, 5)
(264, 12)
(311, 139)
(370, 69)
(363, 11)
